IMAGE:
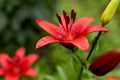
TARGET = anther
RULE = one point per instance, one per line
(67, 20)
(66, 17)
(73, 15)
(59, 18)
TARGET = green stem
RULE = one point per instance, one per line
(82, 64)
(91, 50)
(94, 44)
(80, 73)
(82, 67)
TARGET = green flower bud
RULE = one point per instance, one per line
(109, 11)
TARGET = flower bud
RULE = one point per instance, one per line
(109, 11)
(105, 63)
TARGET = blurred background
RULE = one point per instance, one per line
(19, 29)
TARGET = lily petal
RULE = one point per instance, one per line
(30, 72)
(49, 27)
(1, 72)
(94, 29)
(20, 52)
(30, 59)
(81, 42)
(12, 77)
(46, 40)
(80, 25)
(4, 57)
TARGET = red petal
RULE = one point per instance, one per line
(81, 24)
(94, 29)
(81, 42)
(46, 40)
(30, 59)
(50, 28)
(20, 52)
(4, 57)
(30, 72)
(12, 77)
(1, 72)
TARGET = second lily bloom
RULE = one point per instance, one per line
(14, 67)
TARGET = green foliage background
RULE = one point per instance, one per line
(18, 28)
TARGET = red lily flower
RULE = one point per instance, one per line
(17, 66)
(112, 78)
(69, 32)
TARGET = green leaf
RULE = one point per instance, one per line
(61, 73)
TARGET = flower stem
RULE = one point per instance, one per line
(81, 68)
(80, 73)
(94, 44)
(82, 65)
(90, 52)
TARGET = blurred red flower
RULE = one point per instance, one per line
(68, 33)
(14, 67)
(112, 78)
